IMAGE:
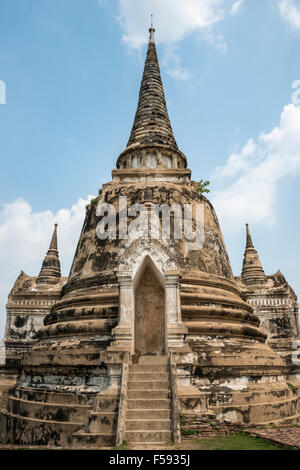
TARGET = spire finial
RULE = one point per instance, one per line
(151, 124)
(151, 31)
(252, 272)
(53, 243)
(249, 239)
(50, 272)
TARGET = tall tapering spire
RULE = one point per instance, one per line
(249, 243)
(151, 152)
(50, 272)
(252, 272)
(53, 243)
(152, 124)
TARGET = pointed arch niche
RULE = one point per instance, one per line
(149, 310)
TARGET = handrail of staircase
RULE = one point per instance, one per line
(122, 406)
(175, 401)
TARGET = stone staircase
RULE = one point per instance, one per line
(149, 407)
(101, 424)
(141, 412)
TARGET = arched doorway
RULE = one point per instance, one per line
(150, 324)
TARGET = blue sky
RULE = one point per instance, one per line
(72, 70)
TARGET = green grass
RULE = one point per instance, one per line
(182, 419)
(239, 441)
(93, 202)
(123, 446)
(32, 448)
(292, 386)
(188, 432)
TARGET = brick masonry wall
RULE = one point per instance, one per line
(195, 427)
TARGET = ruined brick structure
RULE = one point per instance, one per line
(29, 301)
(144, 328)
(274, 302)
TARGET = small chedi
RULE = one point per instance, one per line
(275, 304)
(145, 328)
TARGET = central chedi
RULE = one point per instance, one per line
(146, 327)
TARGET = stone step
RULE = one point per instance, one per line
(265, 394)
(140, 436)
(148, 368)
(148, 385)
(148, 376)
(133, 414)
(47, 396)
(47, 411)
(206, 415)
(159, 359)
(106, 403)
(260, 413)
(147, 394)
(152, 404)
(31, 431)
(295, 419)
(93, 440)
(148, 424)
(53, 358)
(103, 423)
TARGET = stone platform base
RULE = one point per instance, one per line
(8, 379)
(259, 403)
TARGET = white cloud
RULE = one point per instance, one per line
(290, 11)
(24, 239)
(249, 181)
(172, 64)
(174, 19)
(216, 40)
(236, 7)
(237, 162)
(179, 73)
